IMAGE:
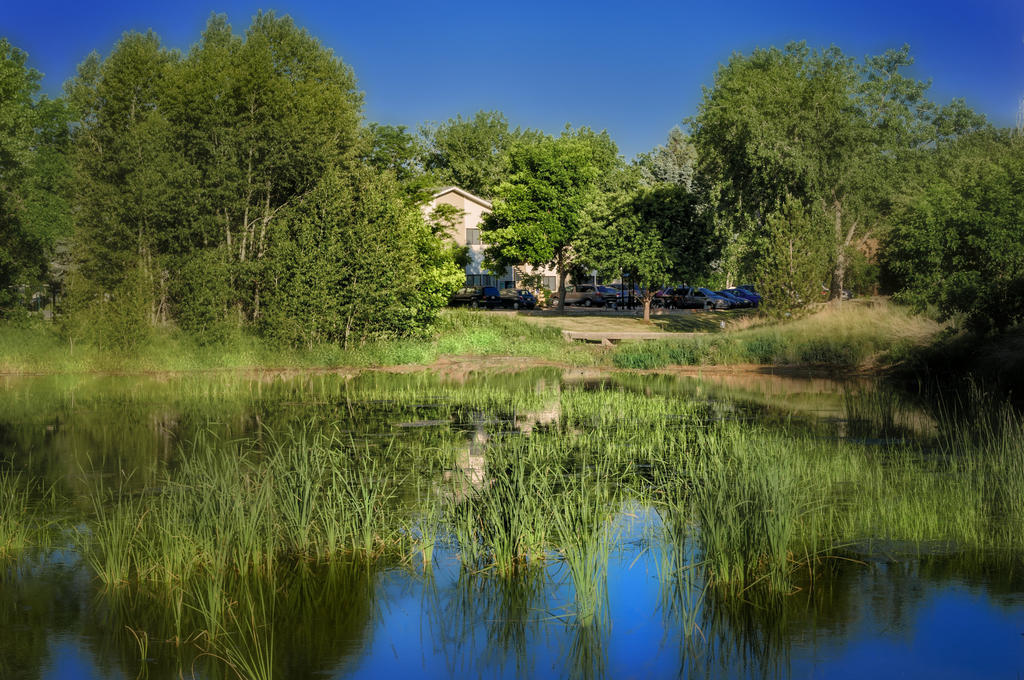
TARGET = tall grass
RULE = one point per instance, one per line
(18, 528)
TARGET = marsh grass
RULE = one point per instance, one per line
(19, 523)
(580, 516)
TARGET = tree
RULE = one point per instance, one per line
(348, 264)
(34, 213)
(199, 157)
(394, 148)
(471, 153)
(793, 255)
(812, 126)
(131, 182)
(958, 242)
(544, 204)
(674, 163)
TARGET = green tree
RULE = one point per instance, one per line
(673, 163)
(34, 212)
(343, 263)
(547, 200)
(132, 181)
(814, 126)
(794, 255)
(261, 119)
(958, 242)
(394, 148)
(471, 153)
(194, 159)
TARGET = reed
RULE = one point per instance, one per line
(17, 530)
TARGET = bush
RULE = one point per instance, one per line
(202, 296)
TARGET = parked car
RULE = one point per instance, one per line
(518, 298)
(687, 297)
(736, 300)
(748, 292)
(624, 293)
(612, 295)
(586, 295)
(476, 296)
(662, 297)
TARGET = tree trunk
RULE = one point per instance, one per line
(647, 308)
(561, 289)
(843, 243)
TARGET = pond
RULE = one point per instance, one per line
(530, 523)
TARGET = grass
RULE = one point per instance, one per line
(38, 348)
(856, 334)
(669, 322)
(17, 528)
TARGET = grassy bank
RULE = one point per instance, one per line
(858, 334)
(855, 334)
(40, 349)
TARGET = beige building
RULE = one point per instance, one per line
(466, 232)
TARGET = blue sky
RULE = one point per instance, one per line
(635, 69)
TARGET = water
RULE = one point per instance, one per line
(883, 607)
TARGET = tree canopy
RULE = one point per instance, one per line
(34, 212)
(194, 173)
(815, 127)
(958, 243)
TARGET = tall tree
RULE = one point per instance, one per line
(548, 198)
(132, 180)
(394, 148)
(34, 213)
(177, 157)
(673, 163)
(471, 153)
(264, 118)
(958, 242)
(345, 269)
(815, 127)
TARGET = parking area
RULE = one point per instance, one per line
(630, 320)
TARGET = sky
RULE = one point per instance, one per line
(635, 69)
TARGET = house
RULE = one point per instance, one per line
(466, 232)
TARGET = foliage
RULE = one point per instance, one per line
(674, 163)
(208, 175)
(471, 153)
(34, 213)
(959, 242)
(790, 255)
(816, 127)
(344, 264)
(392, 147)
(203, 296)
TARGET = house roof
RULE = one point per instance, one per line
(465, 194)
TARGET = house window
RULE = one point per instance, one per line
(481, 280)
(549, 282)
(472, 237)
